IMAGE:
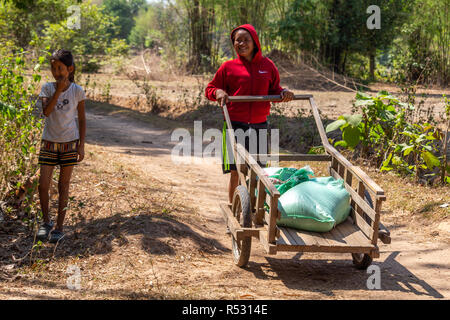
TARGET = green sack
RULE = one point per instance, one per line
(286, 178)
(272, 170)
(314, 205)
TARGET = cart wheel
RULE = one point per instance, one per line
(368, 198)
(362, 260)
(241, 211)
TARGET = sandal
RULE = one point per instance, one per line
(56, 236)
(44, 230)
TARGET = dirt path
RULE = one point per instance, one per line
(411, 268)
(192, 259)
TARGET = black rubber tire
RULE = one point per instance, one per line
(368, 198)
(362, 260)
(241, 211)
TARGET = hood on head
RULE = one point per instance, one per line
(251, 29)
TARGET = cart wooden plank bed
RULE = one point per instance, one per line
(247, 218)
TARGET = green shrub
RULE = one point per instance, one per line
(20, 130)
(384, 131)
(94, 39)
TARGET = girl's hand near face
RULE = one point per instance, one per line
(287, 95)
(222, 97)
(62, 83)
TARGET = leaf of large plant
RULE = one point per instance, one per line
(391, 109)
(355, 119)
(341, 143)
(430, 160)
(396, 160)
(407, 150)
(7, 110)
(351, 136)
(388, 159)
(382, 93)
(363, 96)
(385, 95)
(420, 138)
(335, 125)
(359, 103)
(387, 115)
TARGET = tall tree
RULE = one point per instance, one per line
(427, 39)
(393, 13)
(20, 18)
(333, 29)
(246, 11)
(201, 19)
(125, 10)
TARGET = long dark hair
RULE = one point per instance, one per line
(66, 57)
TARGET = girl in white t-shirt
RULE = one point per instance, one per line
(62, 140)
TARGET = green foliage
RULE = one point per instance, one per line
(317, 150)
(124, 11)
(20, 130)
(350, 127)
(146, 32)
(87, 44)
(415, 152)
(336, 30)
(412, 44)
(303, 25)
(238, 12)
(173, 25)
(20, 19)
(384, 132)
(421, 53)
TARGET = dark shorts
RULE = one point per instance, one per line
(54, 153)
(252, 142)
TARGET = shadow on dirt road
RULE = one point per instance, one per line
(328, 276)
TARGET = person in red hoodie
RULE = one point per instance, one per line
(249, 74)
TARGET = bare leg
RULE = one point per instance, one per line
(234, 181)
(63, 189)
(45, 178)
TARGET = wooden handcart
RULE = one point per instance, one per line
(247, 218)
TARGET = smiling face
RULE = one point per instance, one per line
(243, 44)
(60, 70)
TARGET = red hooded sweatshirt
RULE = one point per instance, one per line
(240, 77)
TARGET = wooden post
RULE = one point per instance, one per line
(341, 170)
(376, 222)
(349, 181)
(361, 190)
(319, 124)
(252, 188)
(334, 164)
(259, 217)
(273, 219)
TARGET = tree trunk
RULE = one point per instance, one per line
(372, 64)
(444, 152)
(201, 20)
(344, 63)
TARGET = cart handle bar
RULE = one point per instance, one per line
(272, 98)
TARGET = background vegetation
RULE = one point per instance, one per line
(192, 36)
(411, 45)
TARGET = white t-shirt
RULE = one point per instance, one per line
(62, 125)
